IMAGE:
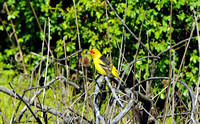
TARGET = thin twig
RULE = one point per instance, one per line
(113, 91)
(77, 27)
(96, 108)
(77, 52)
(108, 34)
(63, 85)
(174, 46)
(173, 80)
(121, 20)
(197, 85)
(4, 118)
(37, 119)
(16, 37)
(183, 58)
(40, 68)
(148, 86)
(120, 61)
(135, 58)
(37, 94)
(170, 70)
(175, 114)
(48, 49)
(131, 64)
(38, 105)
(128, 27)
(79, 42)
(43, 32)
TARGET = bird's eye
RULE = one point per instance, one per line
(93, 52)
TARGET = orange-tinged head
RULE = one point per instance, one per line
(95, 53)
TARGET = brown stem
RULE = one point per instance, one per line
(16, 37)
(39, 26)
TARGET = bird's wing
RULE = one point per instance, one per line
(105, 64)
(104, 60)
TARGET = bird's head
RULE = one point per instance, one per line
(95, 53)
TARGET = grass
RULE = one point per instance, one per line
(60, 98)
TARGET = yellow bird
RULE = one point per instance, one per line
(102, 65)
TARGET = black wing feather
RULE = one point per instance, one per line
(106, 65)
(104, 60)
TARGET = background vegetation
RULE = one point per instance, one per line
(133, 30)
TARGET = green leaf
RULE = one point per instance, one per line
(157, 34)
(1, 27)
(20, 40)
(162, 96)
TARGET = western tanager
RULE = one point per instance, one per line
(102, 65)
